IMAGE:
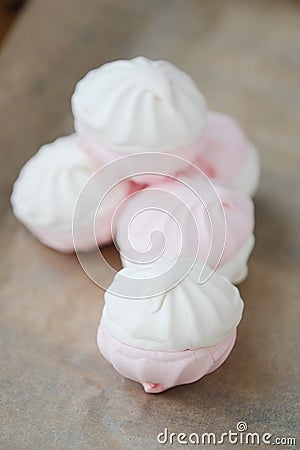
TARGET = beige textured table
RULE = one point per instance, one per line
(56, 389)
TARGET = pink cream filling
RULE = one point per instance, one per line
(160, 370)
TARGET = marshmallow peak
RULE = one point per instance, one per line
(139, 105)
(188, 316)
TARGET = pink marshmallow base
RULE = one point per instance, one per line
(221, 151)
(158, 371)
(101, 155)
(62, 241)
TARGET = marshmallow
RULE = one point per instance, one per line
(191, 218)
(172, 337)
(45, 194)
(137, 106)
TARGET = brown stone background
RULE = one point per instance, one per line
(56, 390)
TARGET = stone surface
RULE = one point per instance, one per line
(56, 389)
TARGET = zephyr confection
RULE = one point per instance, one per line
(195, 219)
(45, 194)
(137, 106)
(174, 337)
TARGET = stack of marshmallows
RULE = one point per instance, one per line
(184, 228)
